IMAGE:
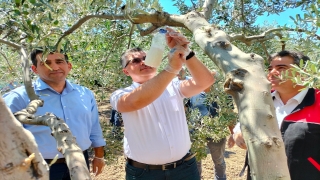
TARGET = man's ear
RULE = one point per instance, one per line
(34, 69)
(69, 65)
(125, 71)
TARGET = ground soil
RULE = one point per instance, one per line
(234, 158)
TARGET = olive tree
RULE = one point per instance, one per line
(96, 32)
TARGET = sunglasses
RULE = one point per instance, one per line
(135, 61)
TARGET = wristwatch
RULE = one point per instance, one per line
(190, 55)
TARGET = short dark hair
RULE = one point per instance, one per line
(123, 59)
(37, 51)
(296, 56)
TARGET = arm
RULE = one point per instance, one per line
(237, 136)
(15, 101)
(96, 138)
(201, 78)
(150, 90)
(98, 160)
(231, 141)
(208, 89)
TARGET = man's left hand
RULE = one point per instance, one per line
(97, 166)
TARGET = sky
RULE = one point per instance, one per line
(281, 19)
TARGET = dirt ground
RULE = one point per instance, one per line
(234, 158)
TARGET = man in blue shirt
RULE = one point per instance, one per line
(71, 102)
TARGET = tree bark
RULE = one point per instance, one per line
(66, 143)
(248, 85)
(20, 158)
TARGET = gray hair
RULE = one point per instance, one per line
(123, 58)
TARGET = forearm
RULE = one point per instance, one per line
(231, 129)
(146, 93)
(99, 152)
(201, 77)
(98, 160)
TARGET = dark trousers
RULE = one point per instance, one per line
(186, 171)
(217, 150)
(60, 171)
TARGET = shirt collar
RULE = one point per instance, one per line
(39, 85)
(135, 84)
(299, 97)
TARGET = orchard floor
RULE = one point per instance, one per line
(234, 158)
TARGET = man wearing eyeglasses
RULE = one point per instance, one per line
(156, 137)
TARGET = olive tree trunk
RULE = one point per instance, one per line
(19, 157)
(250, 89)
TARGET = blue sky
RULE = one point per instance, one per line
(281, 19)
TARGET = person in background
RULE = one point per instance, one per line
(156, 136)
(71, 102)
(216, 148)
(298, 114)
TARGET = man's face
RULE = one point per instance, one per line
(277, 66)
(59, 68)
(136, 68)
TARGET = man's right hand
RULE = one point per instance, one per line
(239, 140)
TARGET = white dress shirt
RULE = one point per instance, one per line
(157, 133)
(281, 109)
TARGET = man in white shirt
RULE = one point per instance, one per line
(298, 115)
(156, 137)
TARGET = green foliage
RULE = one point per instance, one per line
(308, 75)
(208, 127)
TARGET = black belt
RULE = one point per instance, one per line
(163, 167)
(60, 160)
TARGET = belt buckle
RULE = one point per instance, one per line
(164, 166)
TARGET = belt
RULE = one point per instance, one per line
(163, 167)
(60, 160)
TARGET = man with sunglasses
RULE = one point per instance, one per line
(156, 137)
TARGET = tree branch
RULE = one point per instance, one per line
(144, 32)
(303, 30)
(265, 49)
(5, 57)
(26, 75)
(130, 34)
(207, 8)
(243, 17)
(159, 18)
(12, 44)
(269, 34)
(66, 143)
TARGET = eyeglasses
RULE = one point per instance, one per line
(135, 61)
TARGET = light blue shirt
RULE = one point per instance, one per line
(198, 101)
(76, 105)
